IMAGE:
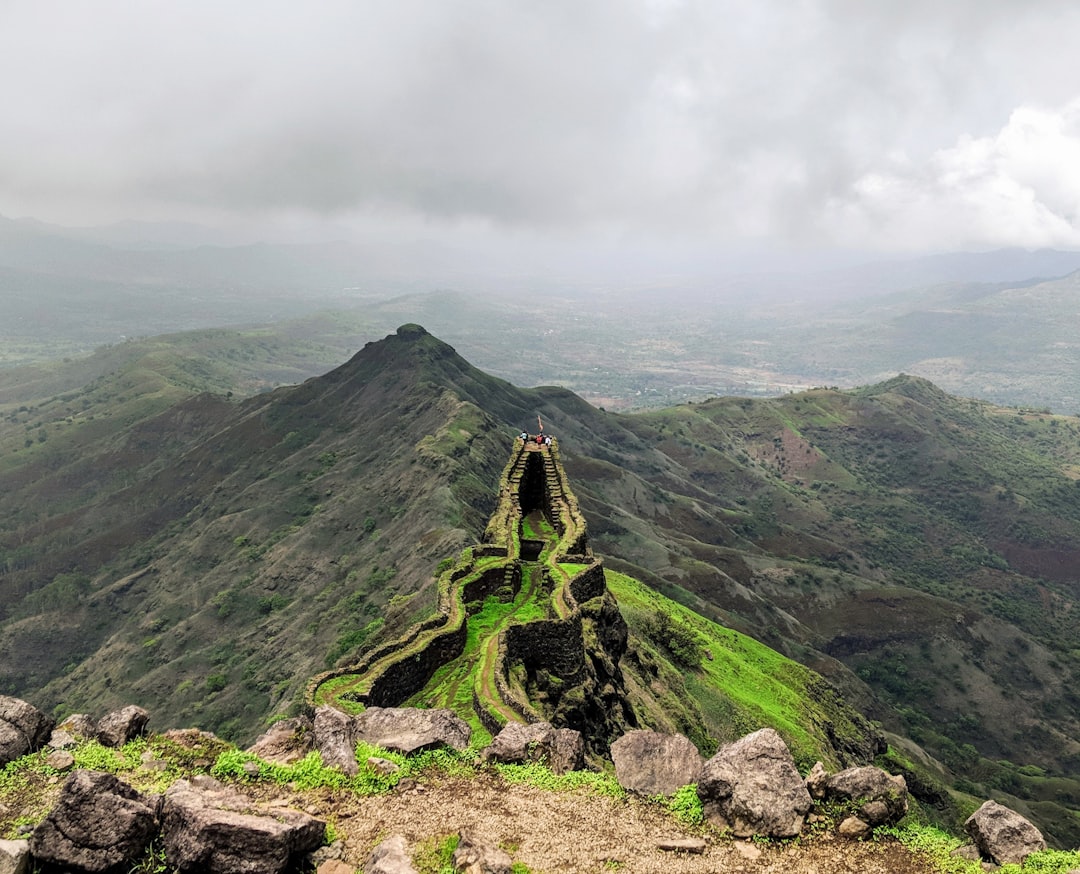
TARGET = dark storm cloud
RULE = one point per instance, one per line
(833, 121)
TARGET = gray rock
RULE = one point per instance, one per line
(562, 749)
(208, 828)
(335, 739)
(381, 766)
(120, 726)
(286, 741)
(651, 763)
(99, 823)
(80, 725)
(751, 787)
(473, 856)
(854, 828)
(14, 857)
(567, 751)
(1002, 835)
(410, 730)
(23, 728)
(60, 760)
(817, 781)
(390, 857)
(879, 798)
(683, 845)
(62, 740)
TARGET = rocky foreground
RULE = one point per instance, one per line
(100, 796)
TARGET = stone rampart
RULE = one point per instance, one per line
(405, 677)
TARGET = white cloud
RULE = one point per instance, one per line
(1019, 187)
(701, 122)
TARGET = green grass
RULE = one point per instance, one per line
(541, 777)
(744, 686)
(938, 846)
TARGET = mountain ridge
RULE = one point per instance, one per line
(249, 541)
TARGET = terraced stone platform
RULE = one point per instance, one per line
(517, 634)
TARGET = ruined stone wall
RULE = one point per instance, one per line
(490, 581)
(404, 678)
(589, 583)
(554, 645)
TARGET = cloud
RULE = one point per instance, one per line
(706, 122)
(1019, 187)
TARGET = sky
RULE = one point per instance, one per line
(662, 128)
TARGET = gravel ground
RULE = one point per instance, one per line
(579, 832)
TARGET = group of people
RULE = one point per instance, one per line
(540, 439)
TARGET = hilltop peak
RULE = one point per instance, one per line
(916, 388)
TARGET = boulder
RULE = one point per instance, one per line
(473, 856)
(567, 751)
(854, 828)
(196, 748)
(1003, 836)
(60, 760)
(23, 728)
(878, 798)
(390, 857)
(650, 763)
(80, 725)
(117, 728)
(14, 857)
(209, 828)
(751, 787)
(335, 739)
(99, 823)
(335, 866)
(286, 741)
(382, 767)
(562, 749)
(817, 781)
(410, 730)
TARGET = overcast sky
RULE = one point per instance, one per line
(890, 125)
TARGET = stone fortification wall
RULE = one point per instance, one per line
(554, 645)
(405, 677)
(589, 583)
(490, 581)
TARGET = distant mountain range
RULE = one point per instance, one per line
(993, 325)
(161, 542)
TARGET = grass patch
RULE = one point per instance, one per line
(938, 847)
(541, 777)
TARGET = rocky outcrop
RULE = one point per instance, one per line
(68, 733)
(1003, 836)
(209, 828)
(286, 741)
(562, 749)
(390, 857)
(474, 856)
(875, 797)
(98, 824)
(410, 730)
(650, 763)
(23, 728)
(335, 739)
(14, 857)
(117, 728)
(751, 787)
